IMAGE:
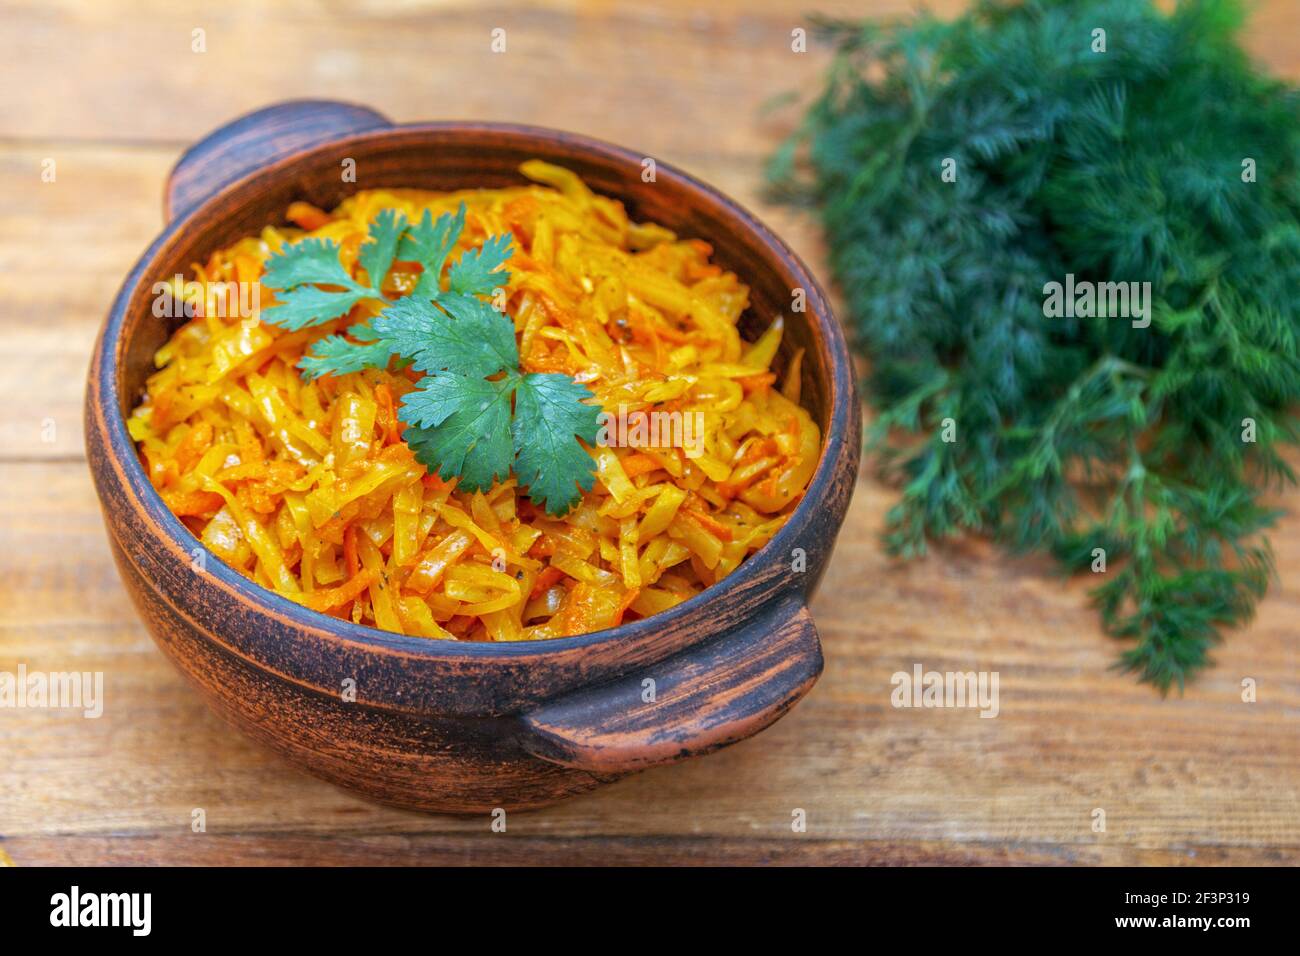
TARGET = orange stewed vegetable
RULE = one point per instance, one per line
(308, 488)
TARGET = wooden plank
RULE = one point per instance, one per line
(654, 77)
(340, 848)
(65, 248)
(1180, 779)
(604, 67)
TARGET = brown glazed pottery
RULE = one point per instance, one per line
(440, 725)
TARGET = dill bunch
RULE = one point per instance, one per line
(960, 167)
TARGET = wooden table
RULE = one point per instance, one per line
(113, 91)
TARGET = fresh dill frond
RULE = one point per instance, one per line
(961, 169)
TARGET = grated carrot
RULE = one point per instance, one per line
(308, 486)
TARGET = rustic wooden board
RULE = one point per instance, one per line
(1204, 778)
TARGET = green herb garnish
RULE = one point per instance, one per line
(959, 168)
(474, 416)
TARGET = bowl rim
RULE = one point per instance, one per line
(120, 450)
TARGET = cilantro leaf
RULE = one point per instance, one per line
(335, 355)
(307, 305)
(298, 270)
(477, 340)
(429, 242)
(476, 272)
(458, 425)
(550, 410)
(460, 422)
(377, 253)
(310, 260)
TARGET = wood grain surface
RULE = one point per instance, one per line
(112, 92)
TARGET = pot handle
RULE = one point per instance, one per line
(704, 698)
(258, 139)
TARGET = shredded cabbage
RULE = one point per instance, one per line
(308, 489)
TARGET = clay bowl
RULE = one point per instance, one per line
(441, 725)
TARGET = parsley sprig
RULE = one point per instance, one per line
(474, 415)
